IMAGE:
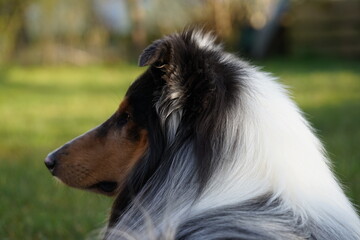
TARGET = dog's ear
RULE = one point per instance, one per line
(157, 54)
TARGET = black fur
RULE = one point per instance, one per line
(249, 221)
(204, 97)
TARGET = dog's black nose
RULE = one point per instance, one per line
(50, 162)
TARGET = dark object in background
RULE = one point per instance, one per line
(269, 40)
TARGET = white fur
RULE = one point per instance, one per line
(205, 40)
(278, 152)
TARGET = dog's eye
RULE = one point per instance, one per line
(124, 118)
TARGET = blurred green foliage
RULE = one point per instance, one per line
(43, 107)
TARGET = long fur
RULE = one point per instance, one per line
(230, 154)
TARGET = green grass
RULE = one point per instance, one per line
(43, 107)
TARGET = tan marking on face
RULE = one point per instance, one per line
(93, 158)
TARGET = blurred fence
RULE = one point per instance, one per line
(330, 28)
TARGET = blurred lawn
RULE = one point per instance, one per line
(43, 107)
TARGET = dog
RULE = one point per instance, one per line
(206, 146)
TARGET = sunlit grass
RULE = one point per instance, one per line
(43, 107)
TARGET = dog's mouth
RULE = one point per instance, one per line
(106, 187)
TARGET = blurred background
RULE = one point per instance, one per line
(65, 65)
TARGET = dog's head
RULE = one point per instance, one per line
(100, 159)
(175, 91)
